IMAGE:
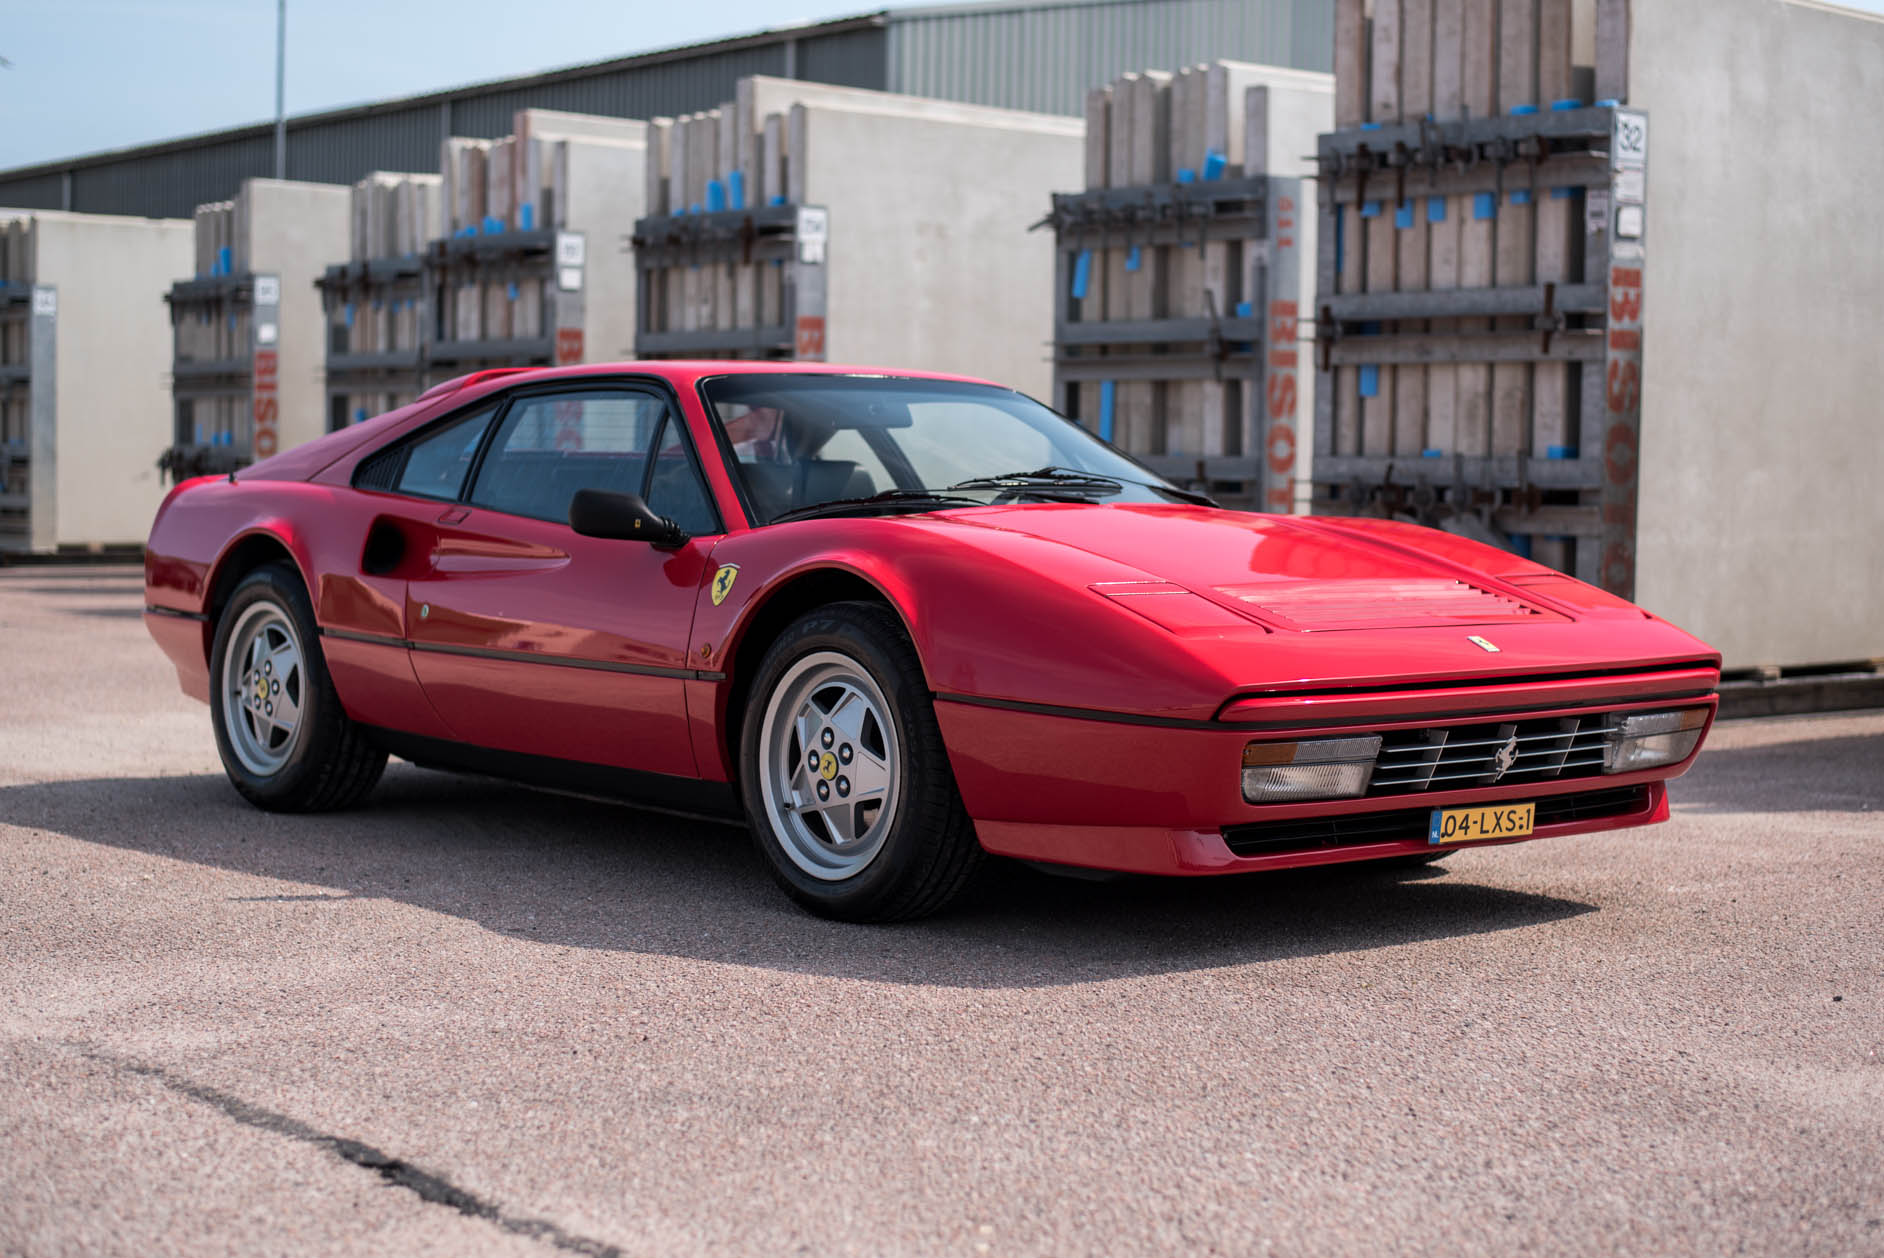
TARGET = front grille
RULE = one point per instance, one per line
(1312, 833)
(1454, 757)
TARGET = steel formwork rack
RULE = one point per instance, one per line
(1243, 342)
(225, 376)
(769, 259)
(359, 362)
(1490, 465)
(398, 325)
(28, 327)
(509, 299)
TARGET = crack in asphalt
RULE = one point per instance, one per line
(398, 1173)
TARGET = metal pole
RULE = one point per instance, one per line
(281, 67)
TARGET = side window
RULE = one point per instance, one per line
(549, 447)
(674, 488)
(435, 465)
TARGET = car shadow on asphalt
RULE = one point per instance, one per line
(1808, 775)
(575, 873)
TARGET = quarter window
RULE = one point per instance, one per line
(435, 465)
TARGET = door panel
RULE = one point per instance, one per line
(529, 637)
(538, 640)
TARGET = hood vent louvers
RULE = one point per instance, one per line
(1383, 603)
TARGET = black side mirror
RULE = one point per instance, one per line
(604, 513)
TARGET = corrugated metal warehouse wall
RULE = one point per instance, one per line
(171, 179)
(1040, 56)
(1045, 56)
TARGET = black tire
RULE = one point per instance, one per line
(331, 764)
(929, 851)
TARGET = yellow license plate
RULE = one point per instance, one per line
(1470, 825)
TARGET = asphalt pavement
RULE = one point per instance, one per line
(470, 1018)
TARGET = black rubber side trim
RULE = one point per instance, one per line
(692, 797)
(153, 610)
(523, 657)
(1299, 722)
(1086, 714)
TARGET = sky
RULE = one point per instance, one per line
(88, 75)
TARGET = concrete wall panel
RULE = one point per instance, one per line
(931, 262)
(297, 230)
(114, 350)
(1761, 519)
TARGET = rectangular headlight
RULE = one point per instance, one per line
(1649, 740)
(1319, 768)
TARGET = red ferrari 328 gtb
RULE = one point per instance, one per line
(899, 620)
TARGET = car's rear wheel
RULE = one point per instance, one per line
(285, 742)
(845, 778)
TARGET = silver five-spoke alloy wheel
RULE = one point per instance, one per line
(262, 688)
(828, 771)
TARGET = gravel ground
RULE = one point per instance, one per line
(473, 1019)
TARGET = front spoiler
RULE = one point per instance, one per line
(1195, 853)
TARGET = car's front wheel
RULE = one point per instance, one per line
(285, 741)
(844, 774)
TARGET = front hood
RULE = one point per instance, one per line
(1284, 572)
(1317, 601)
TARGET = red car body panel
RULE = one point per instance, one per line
(1098, 669)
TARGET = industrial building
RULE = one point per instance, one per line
(1039, 57)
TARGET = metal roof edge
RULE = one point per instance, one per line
(972, 7)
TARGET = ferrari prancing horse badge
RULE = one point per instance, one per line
(723, 582)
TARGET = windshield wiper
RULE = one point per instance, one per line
(889, 497)
(1045, 478)
(1073, 481)
(1188, 495)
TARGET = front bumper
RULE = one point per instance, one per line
(1109, 793)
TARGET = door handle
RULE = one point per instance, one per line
(454, 516)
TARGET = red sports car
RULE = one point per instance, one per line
(899, 620)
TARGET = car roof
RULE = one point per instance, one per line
(681, 373)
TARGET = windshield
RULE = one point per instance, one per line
(828, 445)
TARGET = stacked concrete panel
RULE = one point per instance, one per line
(488, 263)
(555, 174)
(813, 222)
(249, 334)
(1671, 396)
(1183, 266)
(392, 218)
(1467, 258)
(84, 410)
